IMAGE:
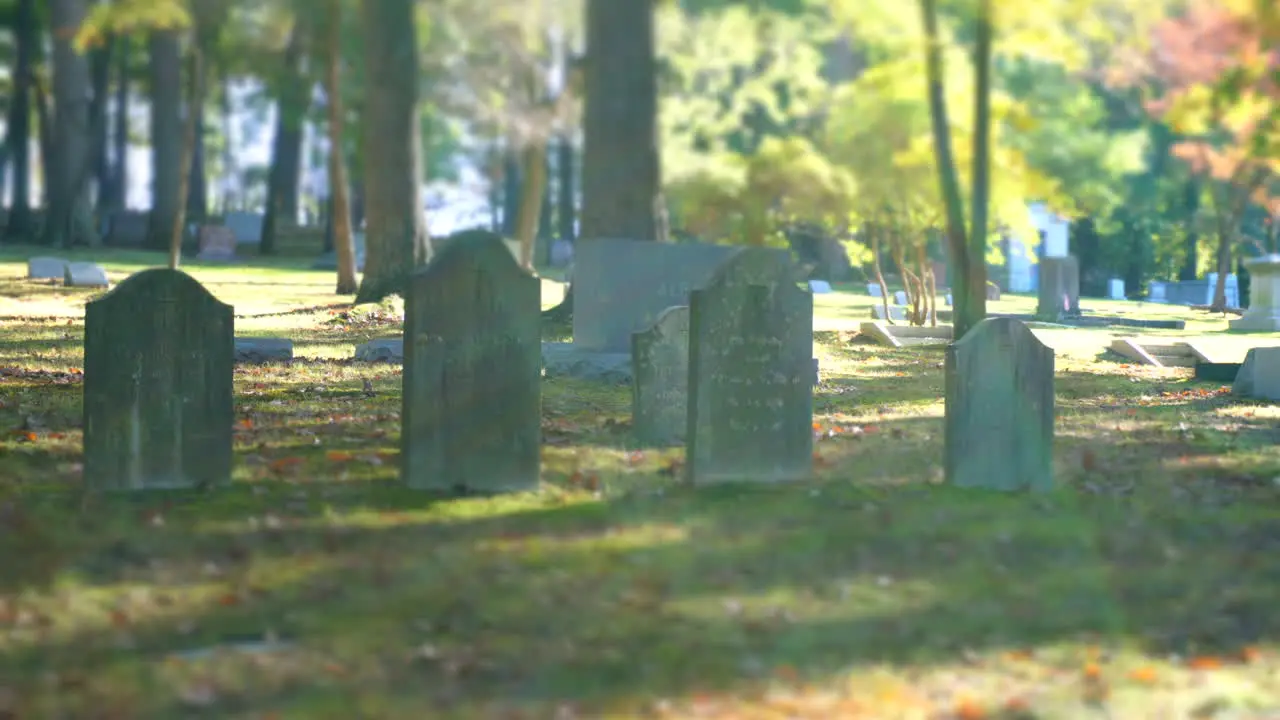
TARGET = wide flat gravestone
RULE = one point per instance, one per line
(471, 418)
(750, 409)
(46, 268)
(999, 408)
(217, 242)
(157, 385)
(660, 378)
(622, 285)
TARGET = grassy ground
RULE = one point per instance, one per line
(316, 588)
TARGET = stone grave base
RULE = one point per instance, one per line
(1257, 323)
(260, 350)
(897, 336)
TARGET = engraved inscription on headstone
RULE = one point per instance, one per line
(471, 417)
(750, 396)
(660, 378)
(158, 407)
(999, 408)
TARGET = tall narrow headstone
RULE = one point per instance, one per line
(999, 408)
(471, 416)
(750, 409)
(660, 378)
(158, 407)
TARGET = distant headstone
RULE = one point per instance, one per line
(993, 291)
(1059, 292)
(900, 297)
(660, 378)
(246, 226)
(622, 285)
(893, 312)
(873, 289)
(999, 408)
(85, 274)
(128, 228)
(751, 374)
(1156, 292)
(561, 253)
(819, 287)
(261, 350)
(471, 412)
(381, 350)
(46, 268)
(158, 407)
(329, 259)
(1115, 288)
(217, 242)
(949, 301)
(1259, 376)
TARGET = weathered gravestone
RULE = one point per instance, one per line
(157, 385)
(622, 285)
(999, 408)
(471, 417)
(46, 268)
(1059, 290)
(217, 242)
(128, 228)
(660, 378)
(85, 274)
(750, 394)
(1259, 375)
(246, 226)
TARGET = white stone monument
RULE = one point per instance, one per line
(1263, 314)
(1115, 288)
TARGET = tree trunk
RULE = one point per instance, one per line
(197, 186)
(1192, 246)
(165, 70)
(566, 210)
(546, 216)
(100, 69)
(44, 135)
(69, 220)
(531, 200)
(230, 168)
(286, 147)
(19, 136)
(981, 172)
(511, 186)
(195, 105)
(339, 206)
(969, 298)
(118, 187)
(620, 162)
(395, 236)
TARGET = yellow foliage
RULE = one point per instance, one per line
(123, 16)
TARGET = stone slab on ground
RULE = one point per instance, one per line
(261, 350)
(1218, 372)
(567, 360)
(46, 268)
(381, 350)
(85, 274)
(1259, 376)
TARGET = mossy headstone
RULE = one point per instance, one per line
(158, 411)
(660, 378)
(999, 408)
(471, 418)
(750, 414)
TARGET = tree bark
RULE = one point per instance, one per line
(165, 70)
(197, 185)
(395, 235)
(511, 191)
(339, 205)
(531, 200)
(195, 105)
(620, 165)
(19, 225)
(1192, 244)
(566, 210)
(286, 148)
(100, 69)
(69, 220)
(118, 186)
(979, 196)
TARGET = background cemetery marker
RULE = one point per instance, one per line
(471, 416)
(660, 378)
(999, 408)
(158, 407)
(750, 414)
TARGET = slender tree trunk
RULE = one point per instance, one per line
(511, 192)
(19, 225)
(531, 200)
(230, 168)
(620, 166)
(980, 192)
(44, 135)
(286, 149)
(118, 187)
(395, 237)
(566, 210)
(969, 297)
(195, 78)
(198, 189)
(165, 69)
(69, 220)
(546, 216)
(100, 69)
(339, 205)
(1191, 205)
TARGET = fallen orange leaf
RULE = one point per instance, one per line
(1205, 662)
(969, 710)
(1250, 654)
(1143, 674)
(338, 456)
(1091, 670)
(229, 599)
